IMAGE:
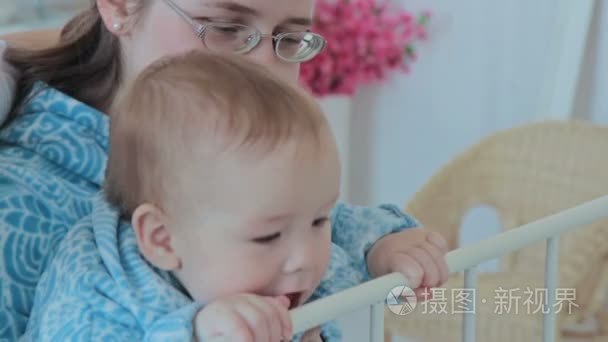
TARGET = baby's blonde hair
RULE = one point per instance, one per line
(178, 104)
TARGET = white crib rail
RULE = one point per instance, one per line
(373, 293)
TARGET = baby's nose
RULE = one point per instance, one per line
(302, 259)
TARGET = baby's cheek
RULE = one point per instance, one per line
(324, 257)
(246, 276)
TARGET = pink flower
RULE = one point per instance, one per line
(367, 39)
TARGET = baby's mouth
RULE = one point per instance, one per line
(294, 299)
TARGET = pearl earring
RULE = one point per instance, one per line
(117, 26)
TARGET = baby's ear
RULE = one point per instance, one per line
(154, 238)
(8, 80)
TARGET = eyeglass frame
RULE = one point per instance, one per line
(199, 29)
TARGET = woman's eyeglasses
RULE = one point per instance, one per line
(295, 47)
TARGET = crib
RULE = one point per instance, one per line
(372, 294)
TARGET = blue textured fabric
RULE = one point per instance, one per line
(356, 228)
(52, 163)
(99, 287)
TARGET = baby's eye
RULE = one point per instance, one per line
(320, 222)
(267, 238)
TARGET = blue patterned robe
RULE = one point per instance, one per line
(52, 163)
(99, 287)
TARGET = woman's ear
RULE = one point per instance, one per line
(8, 82)
(115, 15)
(154, 238)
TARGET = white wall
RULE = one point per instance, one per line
(481, 70)
(592, 101)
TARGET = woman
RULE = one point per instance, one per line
(53, 144)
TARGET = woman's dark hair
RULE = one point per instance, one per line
(86, 64)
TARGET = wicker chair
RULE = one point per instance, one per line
(524, 173)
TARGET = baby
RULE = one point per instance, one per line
(233, 195)
(216, 218)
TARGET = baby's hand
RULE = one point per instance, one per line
(245, 318)
(416, 253)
